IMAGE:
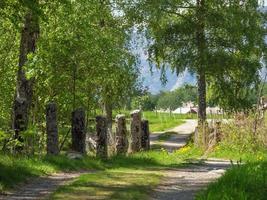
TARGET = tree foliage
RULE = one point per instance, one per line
(82, 58)
(220, 41)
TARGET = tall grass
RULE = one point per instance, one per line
(241, 141)
(245, 182)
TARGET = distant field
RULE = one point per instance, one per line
(164, 121)
(161, 121)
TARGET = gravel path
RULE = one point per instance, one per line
(184, 183)
(41, 188)
(176, 141)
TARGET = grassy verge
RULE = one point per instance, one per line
(226, 153)
(14, 170)
(110, 184)
(245, 182)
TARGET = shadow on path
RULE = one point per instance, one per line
(184, 183)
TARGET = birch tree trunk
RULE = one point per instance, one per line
(201, 72)
(24, 89)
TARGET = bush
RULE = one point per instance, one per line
(240, 135)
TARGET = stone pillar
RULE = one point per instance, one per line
(102, 137)
(78, 131)
(135, 135)
(51, 129)
(121, 135)
(145, 140)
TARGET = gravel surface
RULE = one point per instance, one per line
(184, 183)
(178, 140)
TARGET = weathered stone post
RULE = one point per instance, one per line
(78, 131)
(135, 135)
(121, 135)
(145, 140)
(102, 137)
(51, 129)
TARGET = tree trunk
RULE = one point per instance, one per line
(24, 90)
(202, 98)
(201, 72)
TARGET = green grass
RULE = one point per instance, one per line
(111, 184)
(245, 182)
(163, 121)
(14, 170)
(246, 156)
(158, 122)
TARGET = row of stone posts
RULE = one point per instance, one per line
(138, 137)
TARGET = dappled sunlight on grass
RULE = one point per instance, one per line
(111, 184)
(17, 169)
